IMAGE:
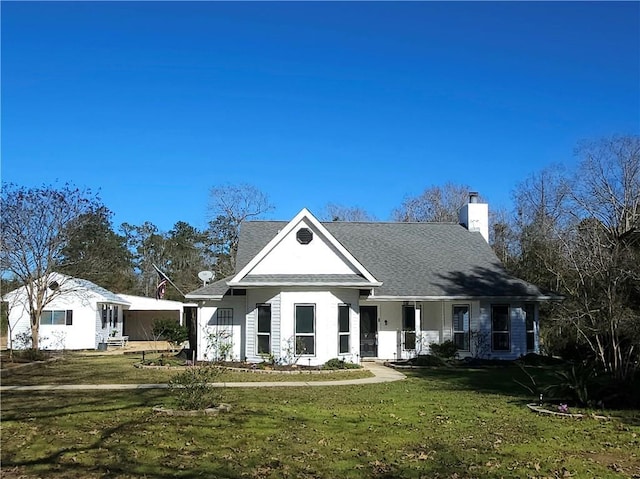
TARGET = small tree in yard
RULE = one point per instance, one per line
(220, 345)
(193, 388)
(171, 331)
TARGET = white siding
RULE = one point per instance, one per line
(260, 296)
(326, 324)
(291, 257)
(208, 324)
(79, 335)
(518, 336)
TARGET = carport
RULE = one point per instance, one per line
(139, 317)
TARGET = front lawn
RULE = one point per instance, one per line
(438, 423)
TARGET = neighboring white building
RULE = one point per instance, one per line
(81, 314)
(311, 291)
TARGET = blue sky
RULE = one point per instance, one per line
(355, 103)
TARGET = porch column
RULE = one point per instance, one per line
(418, 310)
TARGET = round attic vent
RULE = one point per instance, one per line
(53, 285)
(304, 236)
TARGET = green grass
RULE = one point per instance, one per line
(438, 423)
(107, 369)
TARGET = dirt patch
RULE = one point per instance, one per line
(627, 464)
(212, 411)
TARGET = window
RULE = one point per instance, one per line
(409, 327)
(500, 327)
(529, 319)
(57, 318)
(461, 327)
(109, 315)
(224, 317)
(304, 236)
(264, 329)
(343, 329)
(104, 310)
(305, 329)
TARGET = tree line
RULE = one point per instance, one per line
(575, 232)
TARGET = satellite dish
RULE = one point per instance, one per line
(206, 276)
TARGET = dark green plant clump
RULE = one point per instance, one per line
(337, 363)
(171, 331)
(445, 350)
(31, 355)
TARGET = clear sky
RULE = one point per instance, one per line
(356, 103)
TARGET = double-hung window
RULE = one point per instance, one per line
(500, 327)
(461, 327)
(264, 328)
(529, 319)
(57, 318)
(409, 327)
(343, 329)
(305, 329)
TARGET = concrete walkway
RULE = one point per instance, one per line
(381, 374)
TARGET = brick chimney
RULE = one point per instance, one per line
(475, 216)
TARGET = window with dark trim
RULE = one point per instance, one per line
(500, 328)
(57, 318)
(343, 329)
(305, 329)
(409, 327)
(224, 317)
(264, 328)
(461, 326)
(529, 319)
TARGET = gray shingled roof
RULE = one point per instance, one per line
(411, 259)
(217, 289)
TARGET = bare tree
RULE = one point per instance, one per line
(33, 228)
(435, 204)
(579, 234)
(609, 183)
(603, 252)
(229, 206)
(335, 212)
(542, 207)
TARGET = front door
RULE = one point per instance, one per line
(368, 331)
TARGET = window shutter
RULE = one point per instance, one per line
(69, 319)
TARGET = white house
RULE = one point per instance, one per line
(309, 291)
(80, 314)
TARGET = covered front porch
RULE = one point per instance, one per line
(499, 329)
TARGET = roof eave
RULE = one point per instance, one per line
(355, 284)
(389, 298)
(213, 297)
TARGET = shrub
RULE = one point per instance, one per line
(426, 360)
(576, 383)
(193, 388)
(31, 355)
(337, 363)
(445, 350)
(171, 331)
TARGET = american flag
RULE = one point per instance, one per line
(161, 289)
